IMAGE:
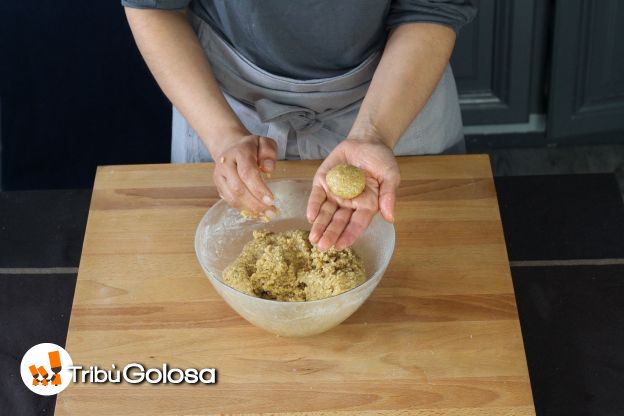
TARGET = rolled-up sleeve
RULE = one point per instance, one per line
(452, 13)
(156, 4)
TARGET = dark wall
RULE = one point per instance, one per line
(74, 94)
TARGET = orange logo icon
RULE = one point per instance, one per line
(55, 366)
(45, 369)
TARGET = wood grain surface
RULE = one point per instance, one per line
(439, 336)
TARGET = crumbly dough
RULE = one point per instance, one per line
(250, 215)
(285, 266)
(346, 181)
(254, 216)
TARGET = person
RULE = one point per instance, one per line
(351, 81)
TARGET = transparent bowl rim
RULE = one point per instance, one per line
(372, 280)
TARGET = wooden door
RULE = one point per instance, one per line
(587, 76)
(492, 62)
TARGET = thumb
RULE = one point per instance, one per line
(267, 154)
(387, 196)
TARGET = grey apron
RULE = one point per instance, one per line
(308, 118)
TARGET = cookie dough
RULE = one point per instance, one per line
(286, 267)
(257, 215)
(346, 181)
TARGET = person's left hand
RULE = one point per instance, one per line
(339, 222)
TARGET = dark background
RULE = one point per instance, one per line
(75, 93)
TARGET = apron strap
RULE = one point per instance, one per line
(302, 120)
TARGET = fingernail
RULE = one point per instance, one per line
(268, 164)
(269, 213)
(267, 200)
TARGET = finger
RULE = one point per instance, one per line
(387, 197)
(359, 222)
(315, 201)
(228, 195)
(249, 173)
(224, 192)
(335, 228)
(334, 158)
(267, 154)
(238, 192)
(324, 217)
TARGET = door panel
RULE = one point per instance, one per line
(587, 78)
(492, 63)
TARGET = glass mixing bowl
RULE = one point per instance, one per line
(222, 233)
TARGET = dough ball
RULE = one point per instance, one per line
(346, 181)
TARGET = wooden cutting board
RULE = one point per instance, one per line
(439, 336)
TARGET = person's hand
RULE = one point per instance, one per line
(339, 222)
(237, 174)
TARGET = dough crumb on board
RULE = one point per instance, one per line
(287, 267)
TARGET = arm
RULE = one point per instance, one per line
(411, 65)
(410, 68)
(176, 59)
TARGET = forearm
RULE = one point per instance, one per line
(411, 66)
(174, 55)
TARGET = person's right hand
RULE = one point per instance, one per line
(237, 174)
